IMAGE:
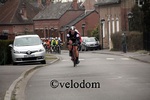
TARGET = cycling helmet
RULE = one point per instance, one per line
(72, 27)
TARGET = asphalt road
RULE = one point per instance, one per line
(97, 77)
(8, 74)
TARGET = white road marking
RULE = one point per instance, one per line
(110, 58)
(70, 60)
(81, 59)
(118, 77)
(125, 59)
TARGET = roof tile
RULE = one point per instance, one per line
(53, 11)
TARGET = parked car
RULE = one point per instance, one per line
(90, 43)
(79, 46)
(27, 48)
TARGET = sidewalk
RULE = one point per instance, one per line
(10, 73)
(143, 56)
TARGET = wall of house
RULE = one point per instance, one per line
(126, 6)
(46, 28)
(91, 22)
(17, 29)
(14, 30)
(112, 16)
(69, 16)
(7, 27)
(116, 19)
(21, 29)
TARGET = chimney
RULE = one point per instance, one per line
(75, 4)
(24, 11)
(48, 2)
(39, 3)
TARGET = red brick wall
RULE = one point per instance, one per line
(46, 23)
(17, 29)
(69, 16)
(20, 29)
(90, 21)
(43, 28)
(8, 27)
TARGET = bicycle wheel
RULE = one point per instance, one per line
(59, 50)
(74, 58)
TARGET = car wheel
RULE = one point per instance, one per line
(82, 48)
(43, 62)
(14, 63)
(86, 49)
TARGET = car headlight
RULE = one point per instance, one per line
(15, 51)
(41, 50)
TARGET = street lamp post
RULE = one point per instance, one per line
(102, 20)
(130, 16)
(83, 26)
(66, 31)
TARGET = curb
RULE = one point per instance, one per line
(139, 60)
(10, 92)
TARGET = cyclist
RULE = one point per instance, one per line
(73, 37)
(53, 44)
(48, 45)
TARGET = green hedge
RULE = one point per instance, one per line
(134, 41)
(5, 52)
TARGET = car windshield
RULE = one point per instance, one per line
(27, 41)
(90, 40)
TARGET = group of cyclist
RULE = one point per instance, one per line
(52, 45)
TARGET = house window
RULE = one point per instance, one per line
(117, 24)
(109, 26)
(103, 29)
(113, 25)
(109, 30)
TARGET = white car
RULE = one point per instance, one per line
(27, 48)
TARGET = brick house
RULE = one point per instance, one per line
(53, 20)
(49, 21)
(86, 18)
(113, 17)
(16, 17)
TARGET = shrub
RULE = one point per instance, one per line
(5, 52)
(134, 41)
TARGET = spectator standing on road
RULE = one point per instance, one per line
(124, 43)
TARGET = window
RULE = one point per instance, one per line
(103, 29)
(113, 25)
(109, 25)
(117, 24)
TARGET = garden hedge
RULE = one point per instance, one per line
(5, 52)
(134, 41)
